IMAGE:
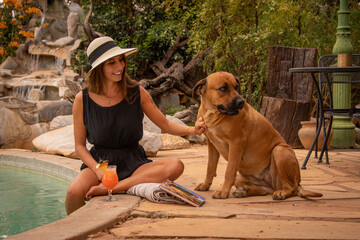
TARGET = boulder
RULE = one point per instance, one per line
(37, 129)
(2, 89)
(188, 115)
(151, 142)
(30, 117)
(61, 141)
(167, 100)
(171, 142)
(9, 64)
(72, 22)
(69, 75)
(174, 119)
(5, 73)
(48, 110)
(191, 138)
(61, 121)
(36, 94)
(70, 89)
(16, 103)
(59, 43)
(20, 120)
(197, 139)
(14, 132)
(149, 126)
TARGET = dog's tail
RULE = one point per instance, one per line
(306, 193)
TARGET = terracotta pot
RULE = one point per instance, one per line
(307, 133)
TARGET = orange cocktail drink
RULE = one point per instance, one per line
(109, 180)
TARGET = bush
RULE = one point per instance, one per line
(14, 17)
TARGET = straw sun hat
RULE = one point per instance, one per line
(102, 49)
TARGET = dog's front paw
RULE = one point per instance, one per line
(240, 192)
(203, 187)
(220, 194)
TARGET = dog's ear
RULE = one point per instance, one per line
(198, 87)
(238, 89)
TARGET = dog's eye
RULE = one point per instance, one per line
(223, 89)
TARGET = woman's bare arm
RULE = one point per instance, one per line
(156, 116)
(80, 136)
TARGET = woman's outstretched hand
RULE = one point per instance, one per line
(96, 191)
(200, 126)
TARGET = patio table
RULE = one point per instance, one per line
(315, 72)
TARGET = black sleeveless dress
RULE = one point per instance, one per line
(115, 132)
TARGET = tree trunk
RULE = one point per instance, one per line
(172, 77)
(285, 115)
(283, 84)
(289, 95)
(89, 32)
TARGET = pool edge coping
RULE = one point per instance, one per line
(93, 217)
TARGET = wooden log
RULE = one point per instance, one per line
(283, 84)
(302, 83)
(285, 115)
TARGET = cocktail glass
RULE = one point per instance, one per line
(109, 180)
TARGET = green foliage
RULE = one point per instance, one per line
(172, 110)
(151, 26)
(35, 150)
(192, 124)
(239, 33)
(80, 60)
(354, 25)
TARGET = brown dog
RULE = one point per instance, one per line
(250, 144)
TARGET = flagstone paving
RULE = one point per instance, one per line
(336, 215)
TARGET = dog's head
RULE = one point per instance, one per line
(221, 90)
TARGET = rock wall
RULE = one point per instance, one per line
(21, 121)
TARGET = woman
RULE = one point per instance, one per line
(109, 114)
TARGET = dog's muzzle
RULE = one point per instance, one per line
(232, 108)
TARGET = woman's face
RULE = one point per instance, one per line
(114, 68)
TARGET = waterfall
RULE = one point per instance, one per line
(34, 62)
(59, 64)
(23, 92)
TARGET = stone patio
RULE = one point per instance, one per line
(334, 216)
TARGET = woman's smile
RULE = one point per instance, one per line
(114, 67)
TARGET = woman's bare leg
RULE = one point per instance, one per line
(153, 172)
(78, 188)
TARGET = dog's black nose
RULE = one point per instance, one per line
(239, 103)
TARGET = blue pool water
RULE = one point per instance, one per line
(29, 199)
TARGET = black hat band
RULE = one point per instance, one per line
(101, 50)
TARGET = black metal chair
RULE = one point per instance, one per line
(322, 76)
(329, 112)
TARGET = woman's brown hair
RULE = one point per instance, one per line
(95, 83)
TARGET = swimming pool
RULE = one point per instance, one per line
(29, 199)
(85, 221)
